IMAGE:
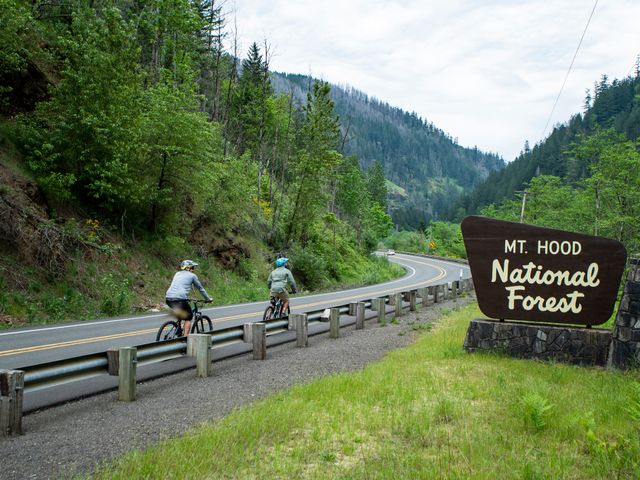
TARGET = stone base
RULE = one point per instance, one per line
(574, 345)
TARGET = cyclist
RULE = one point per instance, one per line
(278, 281)
(178, 293)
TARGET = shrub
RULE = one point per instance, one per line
(536, 410)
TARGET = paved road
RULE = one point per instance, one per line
(35, 345)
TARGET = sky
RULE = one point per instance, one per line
(487, 72)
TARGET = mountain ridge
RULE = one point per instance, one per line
(415, 154)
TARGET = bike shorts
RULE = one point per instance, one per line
(180, 304)
(283, 295)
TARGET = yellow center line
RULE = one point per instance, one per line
(83, 341)
(72, 343)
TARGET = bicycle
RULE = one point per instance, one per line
(173, 328)
(274, 310)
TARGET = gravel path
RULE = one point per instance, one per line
(74, 438)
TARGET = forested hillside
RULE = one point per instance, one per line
(609, 105)
(586, 176)
(130, 139)
(429, 166)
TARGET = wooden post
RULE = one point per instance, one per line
(259, 337)
(392, 299)
(113, 361)
(360, 316)
(454, 290)
(352, 308)
(191, 352)
(374, 304)
(413, 294)
(380, 308)
(424, 295)
(334, 323)
(127, 374)
(203, 354)
(398, 305)
(11, 394)
(247, 332)
(301, 323)
(436, 293)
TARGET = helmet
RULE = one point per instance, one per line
(281, 261)
(187, 264)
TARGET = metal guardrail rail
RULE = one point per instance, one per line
(51, 374)
(59, 372)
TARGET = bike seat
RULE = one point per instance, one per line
(179, 313)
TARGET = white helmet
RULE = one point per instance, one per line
(185, 264)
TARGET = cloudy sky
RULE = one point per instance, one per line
(485, 71)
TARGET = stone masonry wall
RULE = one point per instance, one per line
(549, 342)
(625, 346)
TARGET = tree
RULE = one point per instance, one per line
(178, 156)
(85, 136)
(315, 160)
(377, 184)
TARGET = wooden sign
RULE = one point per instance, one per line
(522, 272)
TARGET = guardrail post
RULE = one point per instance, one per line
(412, 300)
(360, 316)
(454, 290)
(203, 354)
(127, 358)
(259, 338)
(191, 351)
(301, 323)
(436, 293)
(11, 394)
(398, 305)
(334, 323)
(392, 299)
(247, 335)
(113, 361)
(380, 308)
(374, 304)
(424, 295)
(352, 308)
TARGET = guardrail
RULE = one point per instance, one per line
(464, 261)
(123, 362)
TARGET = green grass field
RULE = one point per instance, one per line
(427, 411)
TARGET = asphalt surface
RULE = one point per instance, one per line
(78, 437)
(36, 345)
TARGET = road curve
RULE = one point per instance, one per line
(35, 345)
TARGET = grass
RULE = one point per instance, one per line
(427, 411)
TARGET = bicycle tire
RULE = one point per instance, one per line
(168, 331)
(268, 313)
(202, 325)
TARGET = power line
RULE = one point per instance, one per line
(635, 66)
(570, 67)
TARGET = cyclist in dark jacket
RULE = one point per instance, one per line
(178, 293)
(278, 281)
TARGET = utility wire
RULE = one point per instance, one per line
(570, 67)
(635, 66)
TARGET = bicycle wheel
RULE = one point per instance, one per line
(168, 330)
(202, 325)
(268, 313)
